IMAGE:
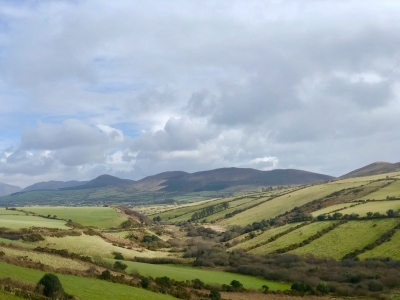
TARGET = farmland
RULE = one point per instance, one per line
(102, 217)
(377, 206)
(392, 190)
(23, 221)
(388, 249)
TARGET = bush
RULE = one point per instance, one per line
(215, 295)
(119, 265)
(52, 287)
(144, 282)
(119, 256)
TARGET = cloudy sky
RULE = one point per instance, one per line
(133, 88)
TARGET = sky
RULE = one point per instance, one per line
(133, 88)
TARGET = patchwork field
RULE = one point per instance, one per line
(24, 221)
(83, 288)
(94, 246)
(392, 190)
(287, 202)
(388, 249)
(347, 238)
(294, 237)
(330, 209)
(101, 217)
(379, 206)
(183, 273)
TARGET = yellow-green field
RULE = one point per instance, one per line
(4, 211)
(246, 244)
(16, 243)
(182, 273)
(81, 287)
(95, 246)
(24, 221)
(287, 202)
(378, 206)
(388, 249)
(331, 208)
(392, 190)
(294, 237)
(101, 217)
(44, 258)
(347, 238)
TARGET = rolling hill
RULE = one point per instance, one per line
(7, 189)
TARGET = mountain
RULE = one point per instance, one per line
(7, 189)
(101, 182)
(375, 168)
(53, 185)
(219, 179)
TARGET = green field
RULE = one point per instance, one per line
(23, 221)
(7, 296)
(388, 249)
(101, 217)
(94, 246)
(347, 238)
(182, 273)
(392, 190)
(294, 237)
(246, 244)
(4, 211)
(287, 202)
(330, 209)
(378, 206)
(83, 288)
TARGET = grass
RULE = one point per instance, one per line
(392, 190)
(347, 238)
(330, 209)
(7, 296)
(296, 236)
(378, 206)
(388, 249)
(182, 273)
(94, 246)
(287, 202)
(16, 243)
(101, 217)
(4, 211)
(83, 288)
(262, 237)
(23, 221)
(44, 258)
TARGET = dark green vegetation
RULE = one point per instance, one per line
(168, 187)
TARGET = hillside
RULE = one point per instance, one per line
(375, 168)
(7, 189)
(53, 185)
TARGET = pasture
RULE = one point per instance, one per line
(287, 202)
(4, 211)
(83, 288)
(388, 249)
(331, 208)
(347, 238)
(101, 217)
(24, 221)
(378, 206)
(183, 273)
(7, 296)
(392, 190)
(294, 237)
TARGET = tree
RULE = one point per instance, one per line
(391, 213)
(323, 288)
(237, 285)
(119, 256)
(119, 265)
(321, 217)
(144, 282)
(52, 286)
(215, 295)
(370, 214)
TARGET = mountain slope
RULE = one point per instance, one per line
(375, 168)
(53, 185)
(7, 189)
(102, 181)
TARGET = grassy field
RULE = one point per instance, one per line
(287, 202)
(4, 211)
(378, 206)
(94, 246)
(392, 190)
(44, 258)
(16, 243)
(347, 238)
(83, 288)
(23, 221)
(182, 273)
(7, 296)
(101, 217)
(331, 208)
(246, 244)
(296, 236)
(388, 249)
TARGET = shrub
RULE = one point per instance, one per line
(52, 287)
(144, 282)
(215, 295)
(119, 256)
(119, 265)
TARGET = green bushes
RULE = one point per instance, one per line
(52, 287)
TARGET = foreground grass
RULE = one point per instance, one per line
(101, 217)
(347, 238)
(183, 273)
(23, 221)
(83, 288)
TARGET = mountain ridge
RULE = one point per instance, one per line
(8, 189)
(376, 168)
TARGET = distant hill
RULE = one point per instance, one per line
(8, 189)
(219, 179)
(53, 185)
(101, 182)
(375, 168)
